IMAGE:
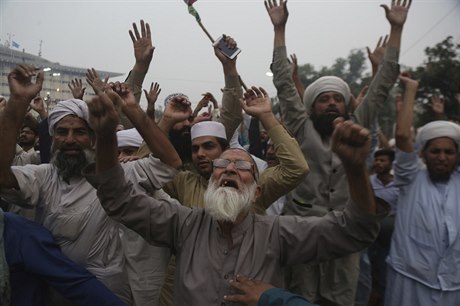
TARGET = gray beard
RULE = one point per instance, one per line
(71, 165)
(227, 203)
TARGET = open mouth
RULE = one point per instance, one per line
(229, 183)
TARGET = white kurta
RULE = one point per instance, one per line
(73, 214)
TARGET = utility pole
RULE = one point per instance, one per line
(40, 48)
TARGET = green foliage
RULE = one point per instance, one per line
(440, 75)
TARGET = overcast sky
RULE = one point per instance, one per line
(95, 34)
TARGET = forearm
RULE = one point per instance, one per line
(280, 36)
(404, 121)
(231, 113)
(10, 122)
(154, 137)
(106, 151)
(361, 192)
(293, 111)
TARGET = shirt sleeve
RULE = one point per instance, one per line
(291, 170)
(293, 111)
(379, 89)
(334, 235)
(405, 167)
(157, 220)
(150, 173)
(231, 113)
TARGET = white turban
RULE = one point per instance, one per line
(74, 107)
(208, 128)
(325, 84)
(129, 138)
(438, 129)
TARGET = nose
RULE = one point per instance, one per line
(70, 138)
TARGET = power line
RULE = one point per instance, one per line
(432, 28)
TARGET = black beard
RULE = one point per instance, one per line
(70, 165)
(439, 177)
(324, 124)
(182, 142)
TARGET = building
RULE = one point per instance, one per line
(57, 76)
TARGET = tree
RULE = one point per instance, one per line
(439, 75)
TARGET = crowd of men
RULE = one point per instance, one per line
(119, 208)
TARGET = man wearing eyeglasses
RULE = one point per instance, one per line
(209, 140)
(214, 244)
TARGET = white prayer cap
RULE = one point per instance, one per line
(208, 128)
(129, 138)
(325, 84)
(438, 129)
(74, 107)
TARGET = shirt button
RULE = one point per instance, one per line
(225, 252)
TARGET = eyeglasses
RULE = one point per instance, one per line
(239, 164)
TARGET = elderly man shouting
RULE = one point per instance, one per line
(225, 238)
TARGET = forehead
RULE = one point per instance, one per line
(441, 143)
(71, 121)
(329, 93)
(204, 139)
(236, 154)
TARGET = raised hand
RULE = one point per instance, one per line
(152, 96)
(376, 56)
(103, 117)
(397, 14)
(231, 43)
(21, 84)
(408, 82)
(351, 142)
(122, 96)
(178, 109)
(294, 65)
(142, 44)
(77, 89)
(437, 105)
(356, 101)
(96, 83)
(256, 102)
(278, 13)
(38, 105)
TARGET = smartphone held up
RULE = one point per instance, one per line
(231, 53)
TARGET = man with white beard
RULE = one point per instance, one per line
(214, 244)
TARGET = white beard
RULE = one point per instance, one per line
(226, 203)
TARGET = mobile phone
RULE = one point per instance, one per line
(230, 53)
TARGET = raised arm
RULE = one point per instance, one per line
(152, 96)
(292, 168)
(154, 137)
(143, 54)
(77, 89)
(293, 111)
(104, 119)
(388, 71)
(23, 89)
(351, 142)
(295, 75)
(404, 116)
(230, 113)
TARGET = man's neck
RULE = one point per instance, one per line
(385, 178)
